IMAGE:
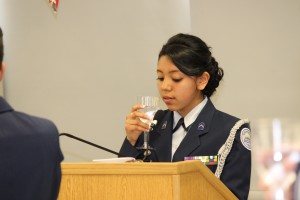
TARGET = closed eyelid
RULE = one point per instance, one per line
(177, 79)
(174, 75)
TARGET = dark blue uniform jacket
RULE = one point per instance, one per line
(30, 156)
(204, 138)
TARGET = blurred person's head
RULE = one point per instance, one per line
(2, 66)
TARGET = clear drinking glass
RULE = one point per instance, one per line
(151, 106)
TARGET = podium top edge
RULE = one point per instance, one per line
(132, 167)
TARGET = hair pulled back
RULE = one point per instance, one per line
(192, 56)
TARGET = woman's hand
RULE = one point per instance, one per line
(134, 126)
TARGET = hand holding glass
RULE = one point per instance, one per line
(150, 104)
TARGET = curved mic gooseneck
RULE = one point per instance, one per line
(90, 143)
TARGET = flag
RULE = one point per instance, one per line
(54, 4)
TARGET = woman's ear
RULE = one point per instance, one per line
(202, 80)
(2, 71)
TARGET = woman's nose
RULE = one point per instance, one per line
(166, 85)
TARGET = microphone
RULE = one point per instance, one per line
(90, 143)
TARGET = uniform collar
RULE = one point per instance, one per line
(4, 106)
(200, 127)
(163, 144)
(192, 115)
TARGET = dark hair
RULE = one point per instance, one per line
(192, 56)
(1, 47)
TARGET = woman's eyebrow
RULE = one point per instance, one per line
(173, 71)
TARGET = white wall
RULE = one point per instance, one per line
(257, 43)
(84, 66)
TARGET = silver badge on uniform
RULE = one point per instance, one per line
(246, 138)
(201, 126)
(164, 125)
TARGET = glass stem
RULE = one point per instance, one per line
(146, 140)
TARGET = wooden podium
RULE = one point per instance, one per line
(186, 180)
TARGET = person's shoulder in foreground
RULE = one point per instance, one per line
(30, 154)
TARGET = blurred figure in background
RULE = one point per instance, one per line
(277, 153)
(297, 183)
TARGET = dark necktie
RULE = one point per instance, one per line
(179, 123)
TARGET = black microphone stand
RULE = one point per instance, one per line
(90, 143)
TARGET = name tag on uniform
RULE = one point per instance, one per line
(207, 160)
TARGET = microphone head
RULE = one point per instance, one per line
(154, 122)
(159, 115)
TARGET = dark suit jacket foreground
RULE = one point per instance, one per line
(30, 156)
(204, 138)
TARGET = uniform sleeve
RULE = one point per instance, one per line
(237, 169)
(58, 157)
(128, 150)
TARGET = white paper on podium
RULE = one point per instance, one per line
(114, 160)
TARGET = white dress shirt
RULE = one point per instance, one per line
(188, 120)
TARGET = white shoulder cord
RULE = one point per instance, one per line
(226, 148)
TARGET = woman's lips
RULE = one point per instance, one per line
(168, 100)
